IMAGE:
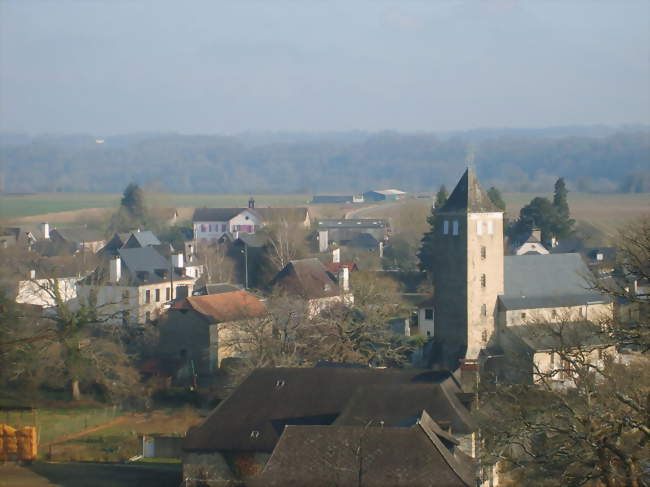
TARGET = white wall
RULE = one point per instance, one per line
(39, 291)
(425, 327)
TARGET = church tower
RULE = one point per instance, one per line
(468, 272)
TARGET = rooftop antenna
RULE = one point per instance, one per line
(470, 159)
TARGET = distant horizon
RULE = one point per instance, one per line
(287, 132)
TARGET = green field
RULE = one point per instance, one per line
(17, 206)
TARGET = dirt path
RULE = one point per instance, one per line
(99, 427)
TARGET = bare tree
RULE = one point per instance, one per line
(285, 242)
(596, 432)
(217, 265)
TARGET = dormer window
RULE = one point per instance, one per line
(255, 434)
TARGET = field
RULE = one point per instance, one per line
(18, 206)
(605, 212)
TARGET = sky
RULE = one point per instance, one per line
(107, 67)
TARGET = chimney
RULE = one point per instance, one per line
(177, 260)
(32, 274)
(45, 229)
(251, 202)
(115, 270)
(344, 279)
(381, 250)
(323, 240)
(336, 256)
(536, 234)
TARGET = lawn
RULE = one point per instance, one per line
(18, 206)
(119, 442)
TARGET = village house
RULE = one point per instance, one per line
(198, 330)
(528, 244)
(25, 235)
(212, 223)
(135, 285)
(365, 232)
(244, 437)
(309, 279)
(77, 239)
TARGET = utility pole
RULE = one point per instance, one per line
(245, 265)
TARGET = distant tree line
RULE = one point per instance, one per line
(244, 164)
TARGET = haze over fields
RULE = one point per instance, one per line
(332, 96)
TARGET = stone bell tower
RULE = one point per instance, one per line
(468, 273)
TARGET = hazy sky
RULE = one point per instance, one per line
(116, 66)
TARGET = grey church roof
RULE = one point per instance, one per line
(546, 281)
(468, 196)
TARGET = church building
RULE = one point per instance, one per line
(485, 303)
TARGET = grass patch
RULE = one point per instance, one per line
(54, 423)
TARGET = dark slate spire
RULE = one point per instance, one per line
(468, 196)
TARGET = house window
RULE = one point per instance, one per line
(157, 295)
(224, 227)
(484, 310)
(554, 313)
(483, 252)
(483, 280)
(455, 227)
(428, 314)
(479, 228)
(204, 227)
(125, 295)
(523, 316)
(167, 293)
(484, 336)
(147, 316)
(445, 227)
(147, 296)
(490, 226)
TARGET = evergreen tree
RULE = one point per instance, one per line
(495, 196)
(564, 223)
(426, 251)
(133, 201)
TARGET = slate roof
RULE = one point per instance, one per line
(397, 457)
(77, 235)
(542, 337)
(307, 278)
(297, 214)
(224, 307)
(140, 266)
(546, 281)
(270, 398)
(215, 214)
(141, 239)
(468, 196)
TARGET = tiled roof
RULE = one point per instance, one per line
(223, 307)
(307, 278)
(335, 267)
(321, 456)
(270, 398)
